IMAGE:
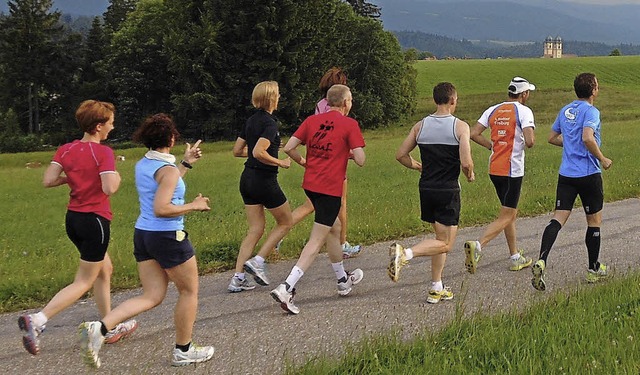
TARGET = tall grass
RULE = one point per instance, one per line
(586, 331)
(37, 259)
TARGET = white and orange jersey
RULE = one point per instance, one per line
(506, 121)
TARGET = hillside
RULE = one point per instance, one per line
(514, 21)
(447, 47)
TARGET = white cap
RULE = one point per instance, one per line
(519, 85)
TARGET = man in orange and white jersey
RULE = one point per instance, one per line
(512, 129)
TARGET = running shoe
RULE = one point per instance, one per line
(349, 251)
(195, 354)
(520, 263)
(259, 273)
(121, 331)
(398, 260)
(597, 275)
(30, 339)
(444, 294)
(538, 275)
(236, 285)
(472, 255)
(91, 341)
(353, 278)
(285, 298)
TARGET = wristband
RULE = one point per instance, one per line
(186, 165)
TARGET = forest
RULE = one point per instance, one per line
(197, 60)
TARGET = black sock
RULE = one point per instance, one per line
(103, 329)
(549, 237)
(592, 240)
(184, 348)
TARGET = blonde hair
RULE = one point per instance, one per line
(265, 95)
(90, 113)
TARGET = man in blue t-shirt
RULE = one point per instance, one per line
(577, 131)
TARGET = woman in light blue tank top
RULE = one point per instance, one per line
(161, 246)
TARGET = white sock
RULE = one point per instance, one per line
(437, 286)
(239, 275)
(294, 277)
(515, 256)
(260, 260)
(478, 246)
(338, 268)
(39, 319)
(408, 254)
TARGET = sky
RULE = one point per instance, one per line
(604, 2)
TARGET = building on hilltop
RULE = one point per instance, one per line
(553, 47)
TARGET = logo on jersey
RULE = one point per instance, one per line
(571, 114)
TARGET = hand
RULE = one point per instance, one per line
(303, 162)
(472, 177)
(416, 165)
(201, 203)
(286, 163)
(192, 154)
(606, 163)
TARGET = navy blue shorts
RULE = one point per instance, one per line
(442, 206)
(508, 189)
(327, 207)
(168, 248)
(261, 187)
(90, 233)
(589, 188)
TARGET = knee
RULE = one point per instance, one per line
(256, 231)
(106, 271)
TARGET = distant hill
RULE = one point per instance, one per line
(514, 20)
(443, 47)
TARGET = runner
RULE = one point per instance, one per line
(512, 126)
(161, 246)
(334, 76)
(259, 143)
(88, 167)
(444, 147)
(577, 130)
(330, 139)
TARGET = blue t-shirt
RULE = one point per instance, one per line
(577, 161)
(147, 186)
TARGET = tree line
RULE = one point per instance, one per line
(195, 59)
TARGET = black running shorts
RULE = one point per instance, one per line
(589, 188)
(327, 207)
(508, 189)
(261, 187)
(90, 233)
(442, 206)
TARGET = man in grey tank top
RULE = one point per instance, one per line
(445, 149)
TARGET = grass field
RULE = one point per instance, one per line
(585, 331)
(38, 259)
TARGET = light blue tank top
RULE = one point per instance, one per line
(147, 186)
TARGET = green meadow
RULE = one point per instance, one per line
(37, 259)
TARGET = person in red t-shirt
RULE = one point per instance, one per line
(331, 139)
(89, 169)
(333, 76)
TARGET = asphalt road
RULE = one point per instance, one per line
(252, 335)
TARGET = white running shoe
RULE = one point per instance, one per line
(30, 339)
(91, 340)
(236, 285)
(259, 273)
(353, 278)
(121, 331)
(285, 299)
(195, 354)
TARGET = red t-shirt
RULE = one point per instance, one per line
(328, 137)
(83, 163)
